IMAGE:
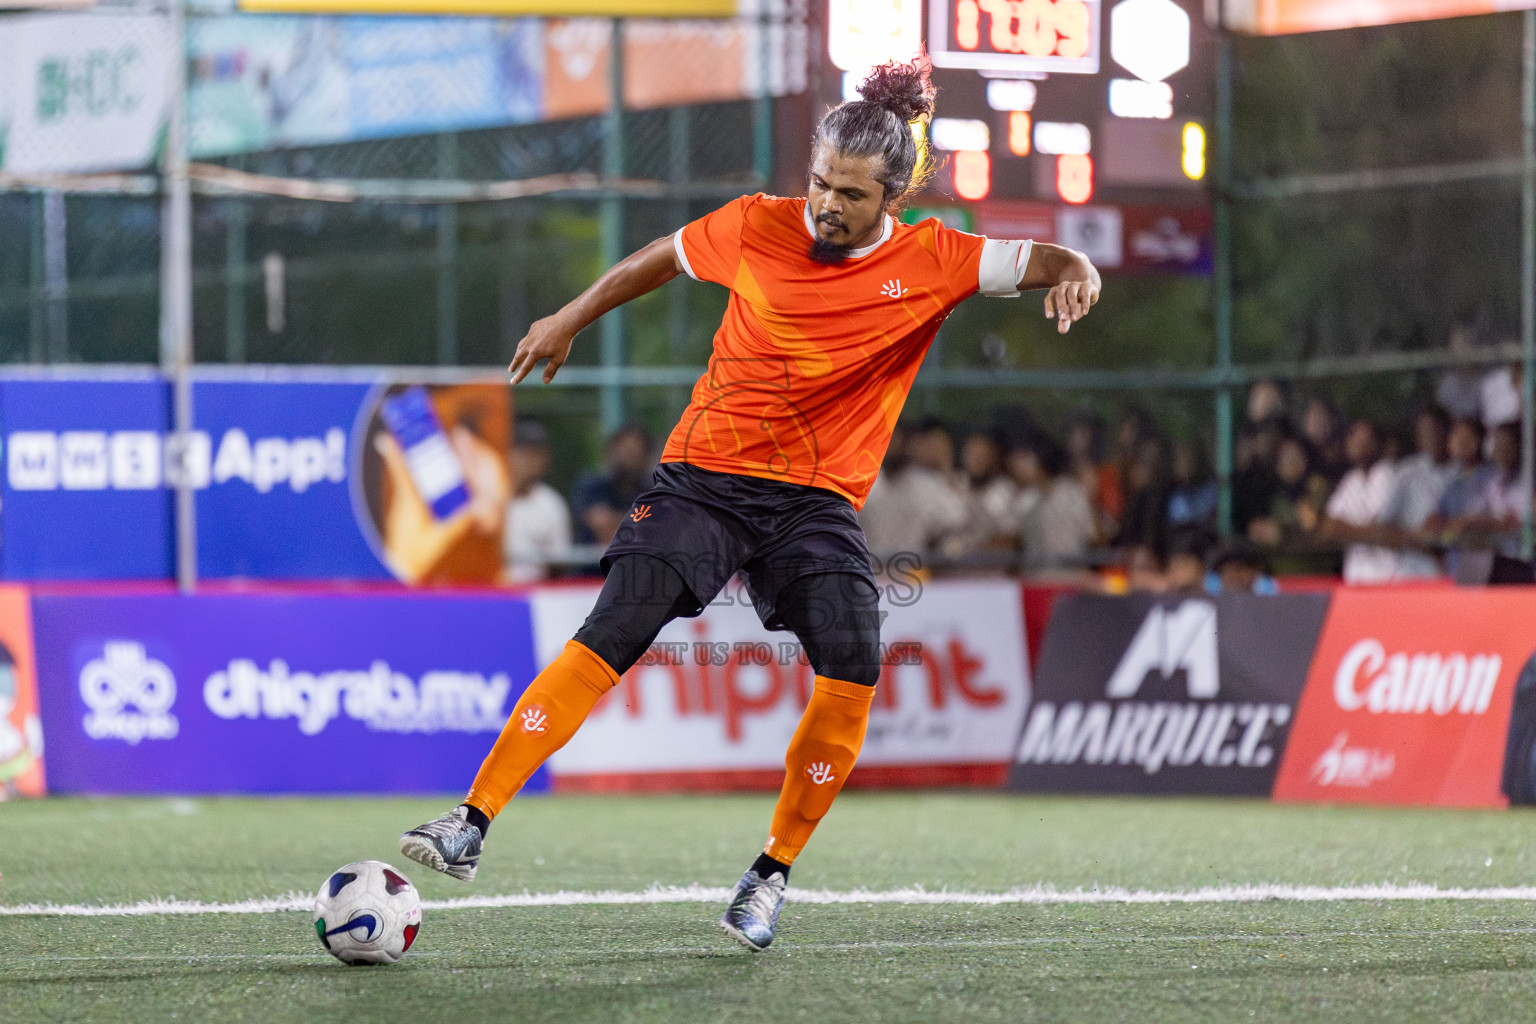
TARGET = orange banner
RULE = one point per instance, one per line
(663, 64)
(1409, 698)
(1280, 17)
(21, 731)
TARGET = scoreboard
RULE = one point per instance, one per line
(1080, 121)
(1038, 36)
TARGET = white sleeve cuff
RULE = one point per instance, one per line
(682, 257)
(1002, 267)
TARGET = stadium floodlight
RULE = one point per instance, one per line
(1149, 38)
(960, 133)
(1131, 97)
(1011, 94)
(862, 34)
(1057, 138)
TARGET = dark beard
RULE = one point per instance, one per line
(828, 253)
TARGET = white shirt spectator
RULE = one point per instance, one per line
(1500, 397)
(538, 529)
(1060, 528)
(911, 510)
(1501, 498)
(1359, 500)
(1415, 497)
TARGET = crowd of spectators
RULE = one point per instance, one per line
(1311, 493)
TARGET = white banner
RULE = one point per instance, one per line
(723, 695)
(83, 92)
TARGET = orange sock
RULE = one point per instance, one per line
(820, 757)
(545, 717)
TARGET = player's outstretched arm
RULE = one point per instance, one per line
(1073, 282)
(551, 337)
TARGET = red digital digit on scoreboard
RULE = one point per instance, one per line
(1016, 35)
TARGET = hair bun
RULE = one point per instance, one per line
(903, 89)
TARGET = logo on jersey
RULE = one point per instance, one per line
(535, 720)
(892, 289)
(640, 512)
(820, 772)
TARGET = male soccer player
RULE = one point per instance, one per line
(832, 305)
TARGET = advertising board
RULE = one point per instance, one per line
(1280, 17)
(276, 694)
(21, 730)
(295, 479)
(83, 92)
(716, 701)
(1141, 694)
(1409, 698)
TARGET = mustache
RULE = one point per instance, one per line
(832, 219)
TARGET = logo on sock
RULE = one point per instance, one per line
(819, 771)
(535, 720)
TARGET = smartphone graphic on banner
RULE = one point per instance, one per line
(434, 465)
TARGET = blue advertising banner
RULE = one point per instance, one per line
(84, 494)
(277, 694)
(297, 476)
(276, 499)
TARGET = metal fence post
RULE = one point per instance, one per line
(1528, 283)
(176, 300)
(612, 326)
(1222, 282)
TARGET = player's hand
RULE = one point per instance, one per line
(547, 339)
(1069, 301)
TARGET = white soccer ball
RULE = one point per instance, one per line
(367, 913)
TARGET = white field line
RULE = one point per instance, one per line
(1031, 896)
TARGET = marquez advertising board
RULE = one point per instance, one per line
(1155, 695)
(714, 703)
(1409, 698)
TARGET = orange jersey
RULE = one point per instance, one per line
(812, 363)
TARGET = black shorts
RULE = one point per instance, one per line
(708, 525)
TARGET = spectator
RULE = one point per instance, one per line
(1145, 570)
(1192, 502)
(1134, 428)
(1297, 507)
(1354, 511)
(1101, 478)
(1500, 508)
(989, 497)
(1501, 401)
(1321, 427)
(1254, 483)
(913, 505)
(932, 447)
(1267, 402)
(1058, 528)
(601, 499)
(1460, 391)
(1240, 568)
(538, 523)
(1187, 552)
(1147, 488)
(1469, 476)
(1421, 480)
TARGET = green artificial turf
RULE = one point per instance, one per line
(1276, 960)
